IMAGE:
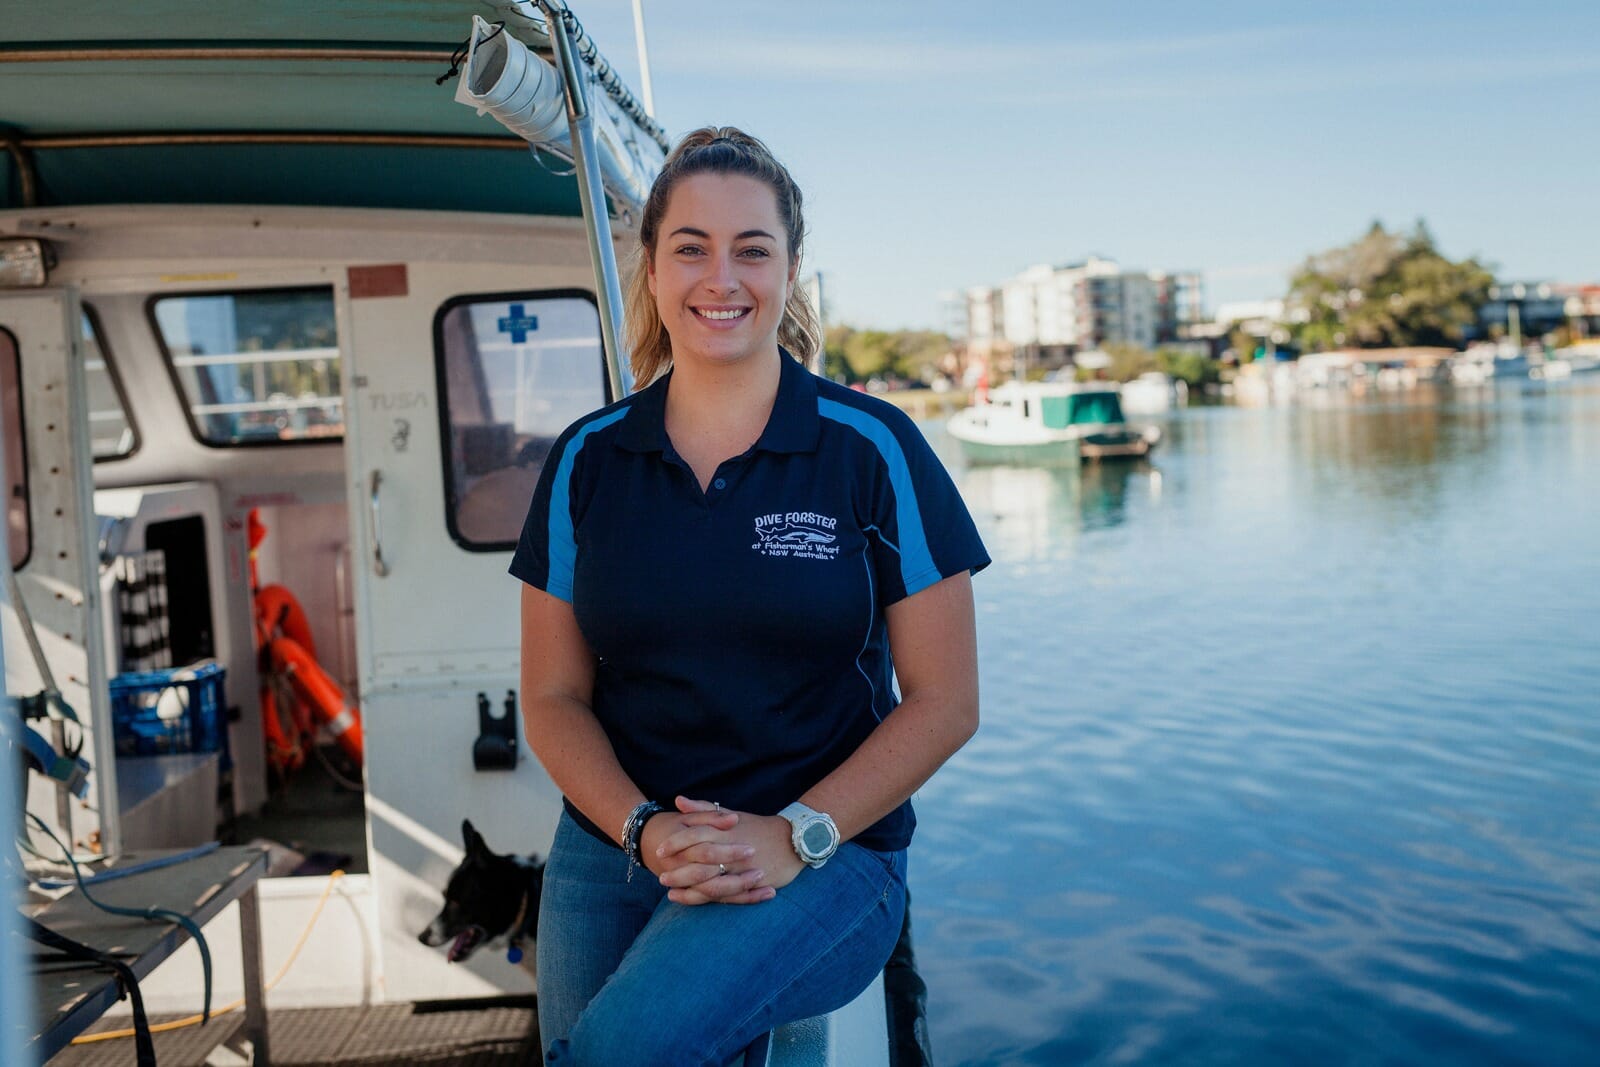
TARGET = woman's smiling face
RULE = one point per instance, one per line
(721, 271)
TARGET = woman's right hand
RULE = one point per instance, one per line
(697, 857)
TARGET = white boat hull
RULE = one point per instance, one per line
(989, 437)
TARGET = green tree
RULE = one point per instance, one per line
(1387, 290)
(870, 353)
(1243, 343)
(834, 363)
(1192, 367)
(856, 355)
(1128, 361)
(918, 354)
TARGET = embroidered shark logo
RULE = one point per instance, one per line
(795, 534)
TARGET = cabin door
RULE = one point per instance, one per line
(451, 403)
(52, 537)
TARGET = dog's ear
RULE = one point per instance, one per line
(472, 839)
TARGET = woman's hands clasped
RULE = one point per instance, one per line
(706, 854)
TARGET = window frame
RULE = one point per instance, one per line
(22, 440)
(153, 299)
(93, 315)
(442, 395)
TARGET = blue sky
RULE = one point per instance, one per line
(942, 145)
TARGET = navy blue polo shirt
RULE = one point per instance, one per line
(739, 633)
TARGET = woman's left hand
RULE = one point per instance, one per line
(691, 881)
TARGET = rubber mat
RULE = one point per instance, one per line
(398, 1034)
(191, 1045)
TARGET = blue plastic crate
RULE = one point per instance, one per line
(178, 709)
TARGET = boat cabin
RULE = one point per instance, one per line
(285, 333)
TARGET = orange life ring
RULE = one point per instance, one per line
(286, 723)
(320, 692)
(278, 610)
(285, 754)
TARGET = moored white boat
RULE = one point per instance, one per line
(1009, 427)
(1582, 357)
(1550, 370)
(1154, 393)
(1049, 422)
(1467, 372)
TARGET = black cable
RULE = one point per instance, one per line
(127, 982)
(459, 56)
(153, 914)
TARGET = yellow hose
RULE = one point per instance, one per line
(194, 1020)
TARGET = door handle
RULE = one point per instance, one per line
(378, 565)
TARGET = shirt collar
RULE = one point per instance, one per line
(644, 428)
(792, 427)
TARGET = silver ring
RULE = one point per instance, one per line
(717, 804)
(722, 868)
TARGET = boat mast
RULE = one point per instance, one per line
(591, 193)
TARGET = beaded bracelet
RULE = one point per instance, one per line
(633, 832)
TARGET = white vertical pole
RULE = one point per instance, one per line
(16, 988)
(644, 58)
(592, 194)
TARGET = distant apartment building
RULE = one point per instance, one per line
(1180, 303)
(1046, 314)
(973, 317)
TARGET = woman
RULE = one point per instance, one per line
(723, 569)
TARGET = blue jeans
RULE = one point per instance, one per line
(628, 977)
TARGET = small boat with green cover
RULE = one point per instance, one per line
(1049, 423)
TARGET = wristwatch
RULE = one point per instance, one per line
(813, 833)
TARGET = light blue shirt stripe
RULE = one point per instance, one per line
(563, 542)
(917, 571)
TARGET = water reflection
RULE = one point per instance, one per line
(1027, 512)
(1289, 749)
(1032, 513)
(1104, 488)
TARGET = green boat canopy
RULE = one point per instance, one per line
(331, 103)
(1081, 409)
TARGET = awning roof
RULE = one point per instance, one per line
(329, 102)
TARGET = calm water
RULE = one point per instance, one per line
(1291, 746)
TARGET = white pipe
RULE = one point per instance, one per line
(16, 997)
(644, 58)
(591, 193)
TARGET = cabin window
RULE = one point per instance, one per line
(514, 371)
(112, 434)
(256, 366)
(19, 528)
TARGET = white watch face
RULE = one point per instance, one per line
(817, 838)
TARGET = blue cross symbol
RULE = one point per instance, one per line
(518, 324)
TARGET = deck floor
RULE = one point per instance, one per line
(314, 815)
(498, 1036)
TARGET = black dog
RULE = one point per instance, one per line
(490, 899)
